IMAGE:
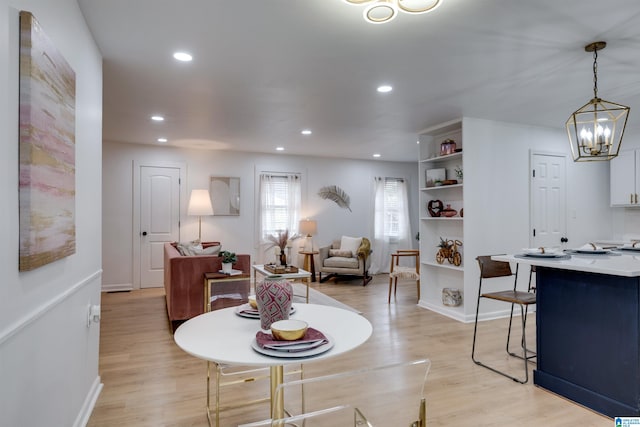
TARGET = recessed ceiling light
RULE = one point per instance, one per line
(418, 142)
(182, 56)
(280, 148)
(162, 139)
(384, 88)
(376, 155)
(157, 118)
(306, 132)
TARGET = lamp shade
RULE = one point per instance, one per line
(199, 203)
(308, 227)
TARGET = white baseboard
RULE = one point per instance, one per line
(117, 287)
(89, 403)
(470, 318)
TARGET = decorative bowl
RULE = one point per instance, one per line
(252, 302)
(289, 330)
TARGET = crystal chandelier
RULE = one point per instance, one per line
(381, 11)
(595, 130)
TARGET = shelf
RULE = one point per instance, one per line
(442, 158)
(445, 265)
(435, 218)
(441, 187)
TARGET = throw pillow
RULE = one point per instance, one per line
(350, 243)
(189, 249)
(211, 250)
(340, 253)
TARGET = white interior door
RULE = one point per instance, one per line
(548, 200)
(159, 220)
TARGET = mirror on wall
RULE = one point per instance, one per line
(225, 195)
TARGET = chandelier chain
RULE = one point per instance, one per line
(595, 73)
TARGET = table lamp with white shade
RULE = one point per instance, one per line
(200, 205)
(309, 228)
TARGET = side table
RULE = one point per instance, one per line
(309, 263)
(211, 279)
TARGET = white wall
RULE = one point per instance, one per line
(500, 168)
(237, 233)
(48, 355)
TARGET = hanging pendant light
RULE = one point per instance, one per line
(596, 129)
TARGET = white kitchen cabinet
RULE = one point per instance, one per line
(625, 179)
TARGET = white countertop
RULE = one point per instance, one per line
(620, 263)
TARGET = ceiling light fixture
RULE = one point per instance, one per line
(306, 132)
(157, 118)
(381, 11)
(162, 139)
(182, 56)
(376, 155)
(595, 130)
(384, 89)
(279, 148)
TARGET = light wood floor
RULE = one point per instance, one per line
(149, 381)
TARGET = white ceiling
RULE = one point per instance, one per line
(265, 69)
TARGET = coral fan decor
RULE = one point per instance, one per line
(47, 149)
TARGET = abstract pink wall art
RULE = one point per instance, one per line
(47, 149)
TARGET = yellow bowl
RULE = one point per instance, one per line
(252, 301)
(289, 330)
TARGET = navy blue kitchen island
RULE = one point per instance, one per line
(588, 330)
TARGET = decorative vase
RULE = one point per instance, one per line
(274, 295)
(283, 258)
(447, 147)
(226, 267)
(448, 211)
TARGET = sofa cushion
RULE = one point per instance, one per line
(211, 250)
(350, 243)
(341, 262)
(340, 253)
(188, 249)
(196, 248)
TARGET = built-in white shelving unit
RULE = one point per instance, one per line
(434, 275)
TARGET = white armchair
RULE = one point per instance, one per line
(349, 256)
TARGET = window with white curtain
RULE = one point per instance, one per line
(392, 229)
(280, 203)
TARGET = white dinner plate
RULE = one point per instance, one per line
(546, 255)
(253, 314)
(592, 251)
(296, 354)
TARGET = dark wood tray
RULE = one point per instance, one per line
(278, 269)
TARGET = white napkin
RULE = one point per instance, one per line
(542, 250)
(589, 247)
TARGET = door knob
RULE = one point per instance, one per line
(144, 233)
(564, 240)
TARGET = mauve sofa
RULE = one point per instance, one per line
(184, 282)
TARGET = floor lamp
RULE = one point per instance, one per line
(200, 205)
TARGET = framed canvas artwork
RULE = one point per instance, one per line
(434, 176)
(47, 149)
(225, 195)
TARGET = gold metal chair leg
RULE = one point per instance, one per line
(277, 399)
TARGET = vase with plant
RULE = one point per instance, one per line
(228, 258)
(280, 241)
